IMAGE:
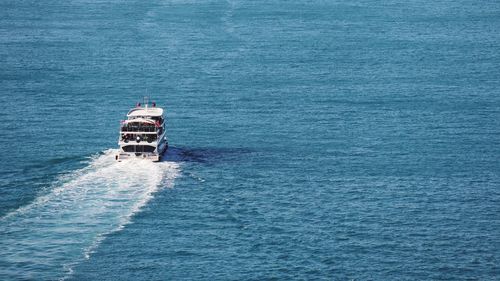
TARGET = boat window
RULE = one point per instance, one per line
(138, 148)
(148, 148)
(129, 148)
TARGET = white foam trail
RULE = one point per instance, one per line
(48, 237)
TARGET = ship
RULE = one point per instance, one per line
(142, 134)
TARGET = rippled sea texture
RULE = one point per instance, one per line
(333, 140)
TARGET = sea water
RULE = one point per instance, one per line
(309, 140)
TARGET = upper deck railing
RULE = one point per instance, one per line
(141, 127)
(134, 128)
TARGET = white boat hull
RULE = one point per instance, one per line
(148, 155)
(154, 156)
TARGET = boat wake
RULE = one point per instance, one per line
(58, 230)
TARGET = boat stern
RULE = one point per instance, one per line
(149, 156)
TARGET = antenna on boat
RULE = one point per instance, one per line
(146, 101)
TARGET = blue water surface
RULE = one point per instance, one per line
(310, 140)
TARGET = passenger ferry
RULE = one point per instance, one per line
(143, 133)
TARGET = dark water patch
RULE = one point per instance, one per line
(206, 155)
